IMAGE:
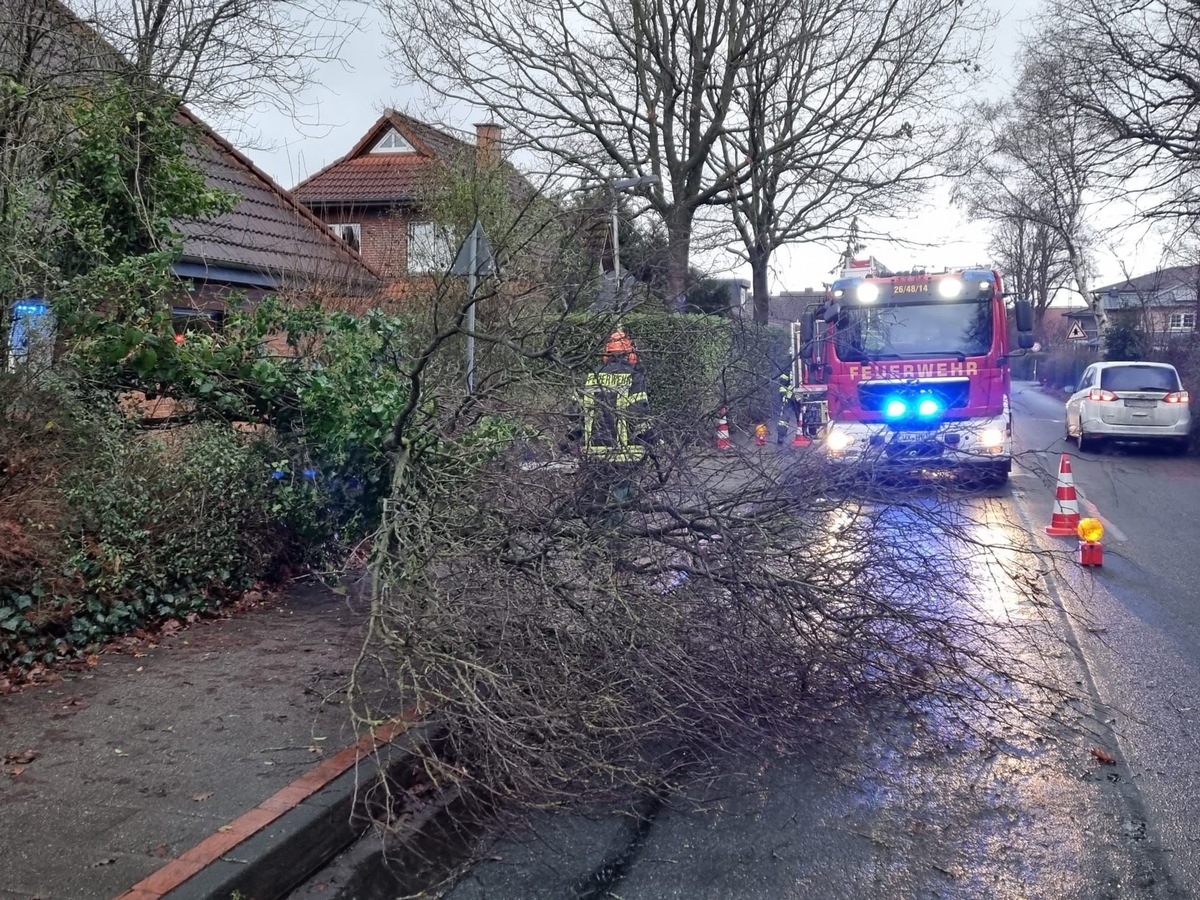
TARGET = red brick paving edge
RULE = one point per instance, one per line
(216, 845)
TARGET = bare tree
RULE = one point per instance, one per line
(843, 112)
(1132, 70)
(226, 56)
(573, 631)
(1047, 164)
(1024, 246)
(604, 88)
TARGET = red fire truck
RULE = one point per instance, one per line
(911, 370)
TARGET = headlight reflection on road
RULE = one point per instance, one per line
(994, 559)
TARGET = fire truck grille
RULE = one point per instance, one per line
(951, 394)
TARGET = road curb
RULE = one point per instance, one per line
(273, 847)
(410, 859)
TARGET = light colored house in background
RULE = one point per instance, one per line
(1164, 303)
(376, 198)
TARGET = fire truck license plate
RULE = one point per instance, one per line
(913, 437)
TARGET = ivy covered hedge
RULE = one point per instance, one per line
(106, 529)
(272, 460)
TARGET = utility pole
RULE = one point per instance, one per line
(624, 184)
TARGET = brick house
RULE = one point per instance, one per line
(1163, 303)
(377, 196)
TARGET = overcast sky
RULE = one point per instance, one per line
(350, 96)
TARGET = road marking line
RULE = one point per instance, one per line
(1129, 794)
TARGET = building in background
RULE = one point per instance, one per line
(268, 243)
(381, 197)
(1163, 304)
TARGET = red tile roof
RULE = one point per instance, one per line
(268, 231)
(370, 179)
(387, 178)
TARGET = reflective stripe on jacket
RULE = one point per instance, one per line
(615, 411)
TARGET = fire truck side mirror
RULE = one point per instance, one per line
(1024, 316)
(808, 330)
(1025, 340)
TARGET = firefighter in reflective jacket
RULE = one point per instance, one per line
(788, 406)
(612, 411)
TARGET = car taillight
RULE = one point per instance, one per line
(1101, 394)
(1177, 397)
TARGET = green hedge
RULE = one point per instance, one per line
(694, 364)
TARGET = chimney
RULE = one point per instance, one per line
(487, 145)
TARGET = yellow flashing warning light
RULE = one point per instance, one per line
(1091, 530)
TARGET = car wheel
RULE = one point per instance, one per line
(1086, 441)
(1179, 446)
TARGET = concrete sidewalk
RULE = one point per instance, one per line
(117, 771)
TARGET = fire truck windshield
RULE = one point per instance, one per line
(914, 330)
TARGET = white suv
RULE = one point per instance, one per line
(1138, 401)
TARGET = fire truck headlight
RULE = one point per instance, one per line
(991, 437)
(867, 292)
(895, 408)
(950, 287)
(838, 440)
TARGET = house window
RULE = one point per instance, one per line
(393, 142)
(351, 234)
(430, 248)
(187, 320)
(1182, 321)
(30, 333)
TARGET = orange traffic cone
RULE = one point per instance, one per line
(801, 439)
(722, 432)
(1065, 520)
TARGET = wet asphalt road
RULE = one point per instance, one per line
(1143, 644)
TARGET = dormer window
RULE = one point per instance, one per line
(393, 142)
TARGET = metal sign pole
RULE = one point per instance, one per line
(474, 259)
(473, 242)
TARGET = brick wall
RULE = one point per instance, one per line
(384, 236)
(385, 242)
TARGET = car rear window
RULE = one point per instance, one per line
(1139, 378)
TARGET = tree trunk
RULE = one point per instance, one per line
(760, 258)
(679, 246)
(1096, 304)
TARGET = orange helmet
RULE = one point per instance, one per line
(619, 344)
